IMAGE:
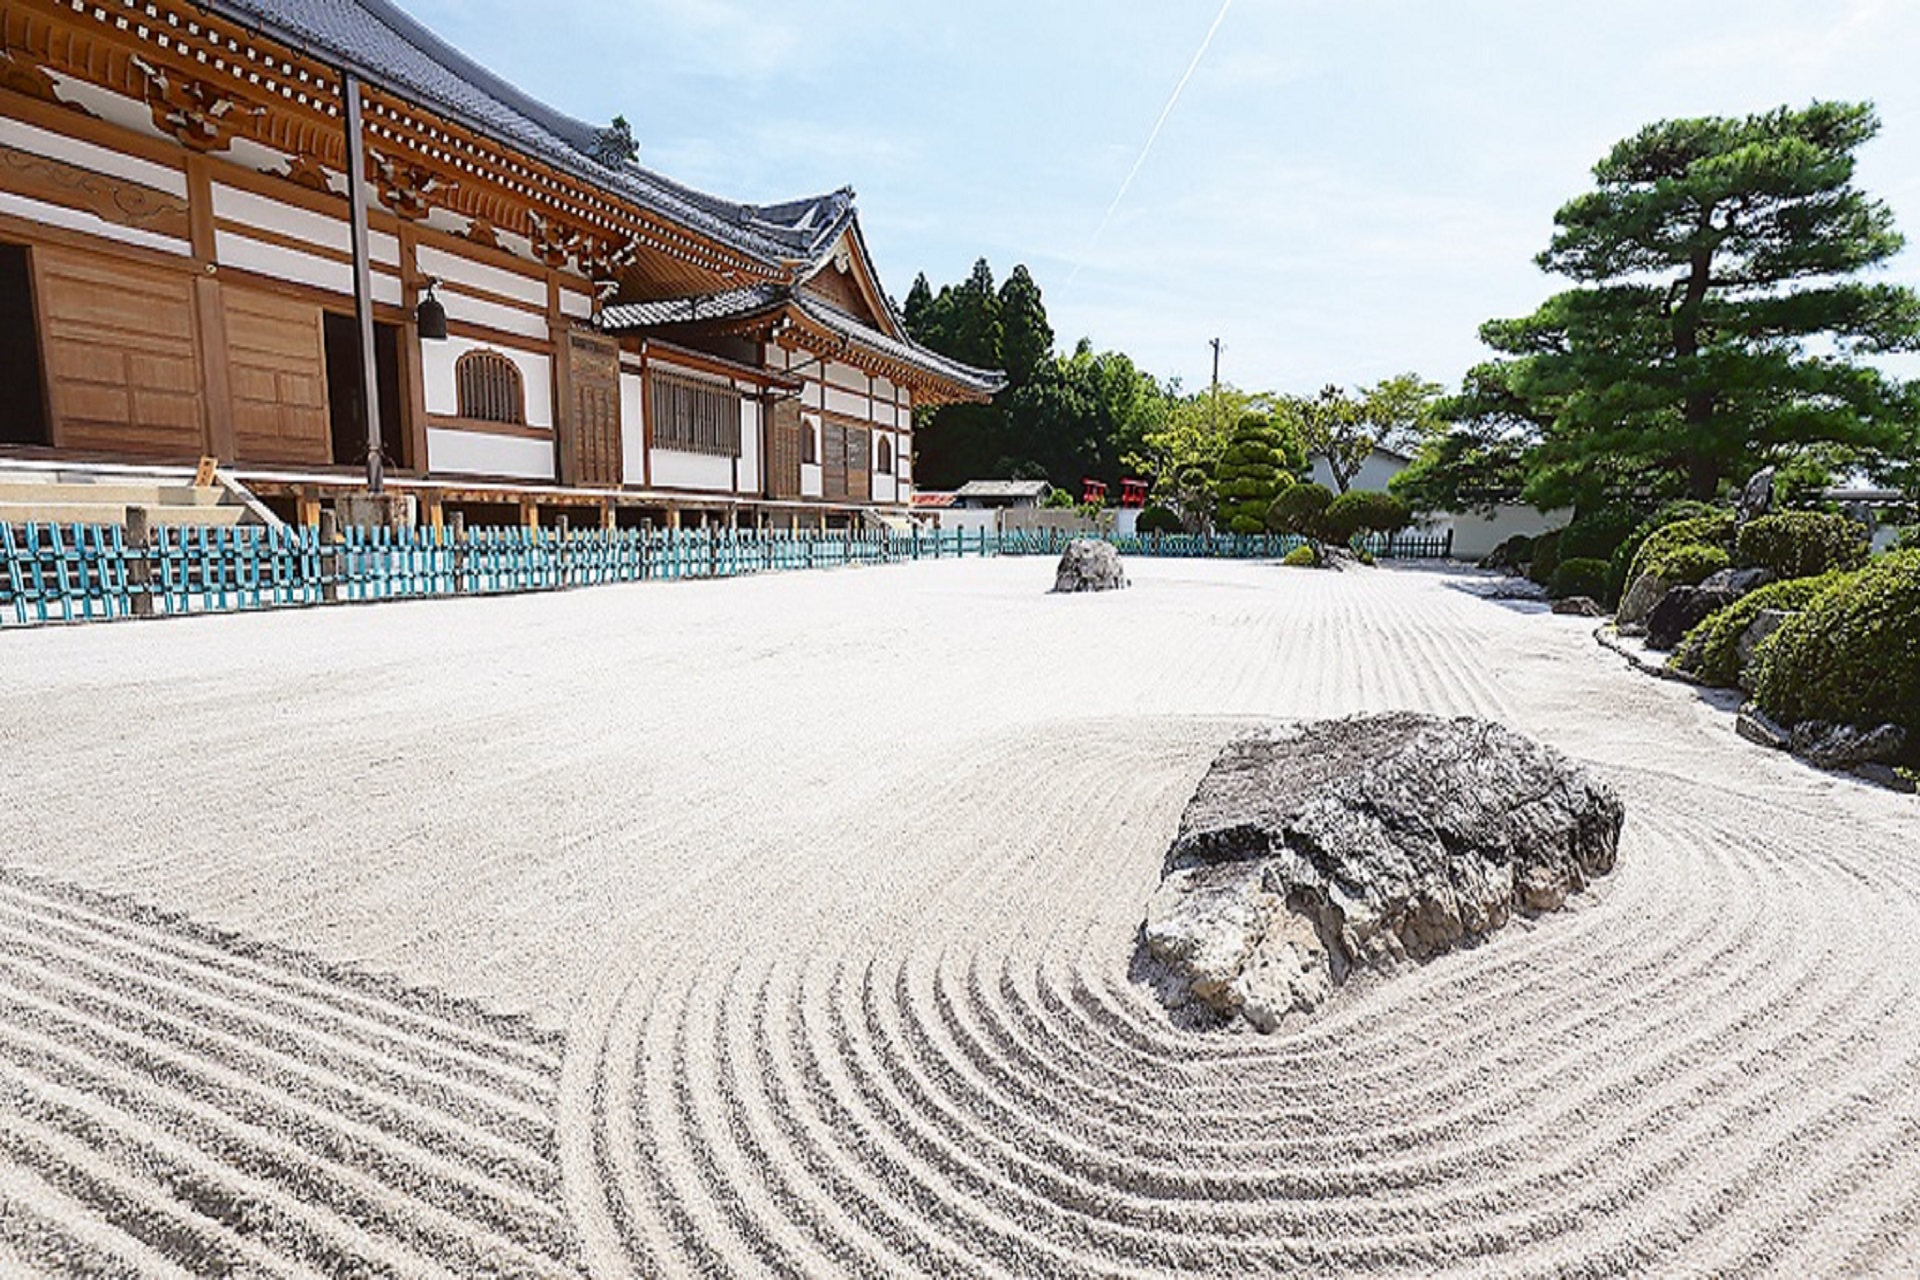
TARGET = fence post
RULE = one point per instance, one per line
(561, 527)
(330, 556)
(458, 530)
(140, 568)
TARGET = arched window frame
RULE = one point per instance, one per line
(886, 456)
(490, 387)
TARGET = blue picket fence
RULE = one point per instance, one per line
(81, 573)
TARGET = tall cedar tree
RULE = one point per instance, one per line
(1716, 319)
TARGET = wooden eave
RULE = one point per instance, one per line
(864, 278)
(291, 102)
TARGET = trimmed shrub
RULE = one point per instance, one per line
(1581, 576)
(1511, 554)
(1619, 576)
(1802, 544)
(1300, 557)
(1711, 650)
(1546, 557)
(1853, 655)
(1714, 530)
(1595, 535)
(1690, 565)
(1300, 510)
(1249, 474)
(1157, 519)
(1369, 511)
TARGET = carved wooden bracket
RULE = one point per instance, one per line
(111, 199)
(23, 77)
(553, 243)
(409, 190)
(601, 261)
(193, 112)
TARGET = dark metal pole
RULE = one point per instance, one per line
(362, 276)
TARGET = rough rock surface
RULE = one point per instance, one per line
(1640, 597)
(1361, 844)
(1579, 607)
(1738, 581)
(1756, 725)
(1089, 565)
(1840, 746)
(1764, 624)
(1680, 610)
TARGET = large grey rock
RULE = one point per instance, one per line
(1765, 623)
(1364, 843)
(1641, 595)
(1738, 581)
(1756, 725)
(1679, 611)
(1841, 746)
(1756, 496)
(1089, 565)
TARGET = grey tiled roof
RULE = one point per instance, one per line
(387, 48)
(1003, 489)
(746, 302)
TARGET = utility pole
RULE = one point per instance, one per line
(1215, 344)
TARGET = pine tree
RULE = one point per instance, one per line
(1026, 339)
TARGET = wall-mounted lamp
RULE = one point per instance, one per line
(431, 317)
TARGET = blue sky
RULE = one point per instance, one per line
(1343, 190)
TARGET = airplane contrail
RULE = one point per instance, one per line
(1153, 137)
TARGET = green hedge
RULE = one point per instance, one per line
(1802, 544)
(1581, 576)
(1689, 564)
(1715, 530)
(1595, 535)
(1300, 557)
(1157, 519)
(1618, 577)
(1546, 557)
(1711, 650)
(1853, 655)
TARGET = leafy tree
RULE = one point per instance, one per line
(1301, 510)
(1479, 453)
(1249, 474)
(1369, 511)
(1332, 425)
(1401, 412)
(1716, 316)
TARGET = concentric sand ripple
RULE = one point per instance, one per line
(175, 1105)
(830, 885)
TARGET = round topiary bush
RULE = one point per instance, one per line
(1157, 519)
(1582, 576)
(1802, 544)
(1711, 650)
(1619, 576)
(1690, 564)
(1368, 510)
(1714, 530)
(1546, 557)
(1300, 557)
(1300, 511)
(1511, 554)
(1853, 655)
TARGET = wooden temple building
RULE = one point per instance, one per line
(553, 329)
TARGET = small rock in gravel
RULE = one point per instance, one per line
(1755, 725)
(1089, 565)
(1840, 746)
(1579, 607)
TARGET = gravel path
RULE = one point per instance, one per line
(783, 925)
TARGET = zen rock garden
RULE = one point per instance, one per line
(1313, 853)
(1089, 564)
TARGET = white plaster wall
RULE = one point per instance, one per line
(1474, 535)
(813, 483)
(493, 315)
(247, 254)
(1126, 521)
(675, 470)
(577, 305)
(1372, 476)
(633, 439)
(453, 269)
(848, 377)
(972, 519)
(750, 479)
(845, 402)
(54, 215)
(443, 397)
(479, 454)
(85, 155)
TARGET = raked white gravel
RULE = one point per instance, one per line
(783, 925)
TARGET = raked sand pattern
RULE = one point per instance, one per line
(783, 926)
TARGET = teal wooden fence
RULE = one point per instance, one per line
(82, 573)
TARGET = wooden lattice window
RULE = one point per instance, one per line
(695, 416)
(490, 388)
(886, 456)
(809, 444)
